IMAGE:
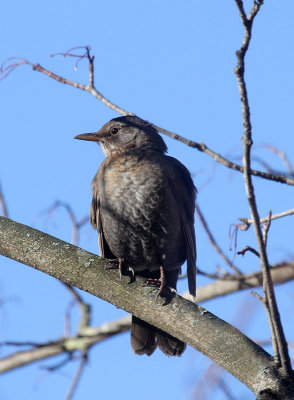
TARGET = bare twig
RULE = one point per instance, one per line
(90, 88)
(77, 378)
(266, 228)
(79, 57)
(12, 62)
(255, 294)
(3, 204)
(26, 343)
(233, 236)
(212, 240)
(248, 248)
(76, 225)
(282, 155)
(85, 310)
(263, 163)
(269, 295)
(247, 221)
(274, 336)
(208, 275)
(60, 364)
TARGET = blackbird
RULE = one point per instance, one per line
(143, 208)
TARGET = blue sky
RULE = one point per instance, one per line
(172, 63)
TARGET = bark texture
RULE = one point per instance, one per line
(183, 319)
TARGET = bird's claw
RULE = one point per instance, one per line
(163, 288)
(116, 264)
(121, 266)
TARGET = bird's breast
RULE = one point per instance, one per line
(131, 177)
(139, 211)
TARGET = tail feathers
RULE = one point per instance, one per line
(170, 345)
(145, 338)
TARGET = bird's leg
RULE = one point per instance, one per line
(162, 280)
(163, 283)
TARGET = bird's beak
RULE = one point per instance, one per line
(93, 137)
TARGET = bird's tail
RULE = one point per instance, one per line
(145, 338)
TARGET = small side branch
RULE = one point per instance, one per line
(77, 378)
(281, 154)
(3, 205)
(212, 240)
(248, 248)
(247, 221)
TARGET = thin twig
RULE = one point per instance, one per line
(85, 308)
(248, 248)
(213, 241)
(3, 204)
(77, 378)
(269, 317)
(87, 88)
(281, 352)
(255, 294)
(248, 221)
(76, 225)
(281, 154)
(27, 343)
(266, 228)
(208, 275)
(60, 364)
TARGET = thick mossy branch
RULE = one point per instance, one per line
(191, 323)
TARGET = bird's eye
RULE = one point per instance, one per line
(113, 131)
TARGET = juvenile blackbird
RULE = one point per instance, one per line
(143, 208)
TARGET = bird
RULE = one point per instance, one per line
(143, 208)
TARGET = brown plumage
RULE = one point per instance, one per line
(143, 208)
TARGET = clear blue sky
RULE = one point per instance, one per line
(172, 63)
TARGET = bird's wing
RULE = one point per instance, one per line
(185, 193)
(95, 219)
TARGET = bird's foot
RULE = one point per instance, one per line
(116, 264)
(123, 269)
(152, 283)
(164, 289)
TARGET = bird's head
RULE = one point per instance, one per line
(125, 133)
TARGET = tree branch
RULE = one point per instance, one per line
(84, 340)
(269, 295)
(89, 336)
(90, 88)
(190, 323)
